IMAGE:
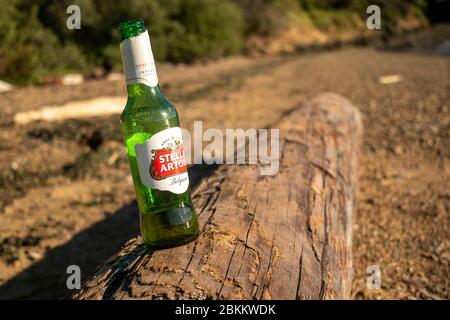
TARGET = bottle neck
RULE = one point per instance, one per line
(138, 61)
(140, 90)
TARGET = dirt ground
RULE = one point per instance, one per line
(66, 196)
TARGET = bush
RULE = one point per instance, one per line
(181, 30)
(266, 17)
(338, 20)
(34, 36)
(28, 49)
(200, 29)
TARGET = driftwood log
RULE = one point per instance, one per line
(286, 236)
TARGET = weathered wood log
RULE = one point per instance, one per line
(286, 236)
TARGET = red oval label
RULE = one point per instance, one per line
(167, 162)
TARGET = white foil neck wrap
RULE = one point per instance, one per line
(138, 61)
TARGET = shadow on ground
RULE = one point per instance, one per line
(88, 249)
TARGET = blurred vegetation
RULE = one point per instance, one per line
(35, 41)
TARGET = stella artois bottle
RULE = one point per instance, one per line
(154, 145)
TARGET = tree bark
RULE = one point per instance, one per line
(286, 236)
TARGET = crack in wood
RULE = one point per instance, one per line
(246, 242)
(310, 235)
(163, 270)
(324, 262)
(268, 274)
(299, 283)
(189, 263)
(226, 272)
(323, 169)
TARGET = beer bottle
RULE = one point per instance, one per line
(154, 145)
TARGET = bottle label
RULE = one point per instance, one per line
(138, 61)
(162, 163)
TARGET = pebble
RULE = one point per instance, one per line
(4, 86)
(72, 79)
(34, 255)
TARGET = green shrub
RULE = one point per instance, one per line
(200, 29)
(338, 20)
(181, 30)
(28, 49)
(266, 17)
(34, 36)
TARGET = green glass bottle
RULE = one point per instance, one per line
(154, 145)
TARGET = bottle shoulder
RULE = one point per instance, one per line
(148, 108)
(148, 116)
